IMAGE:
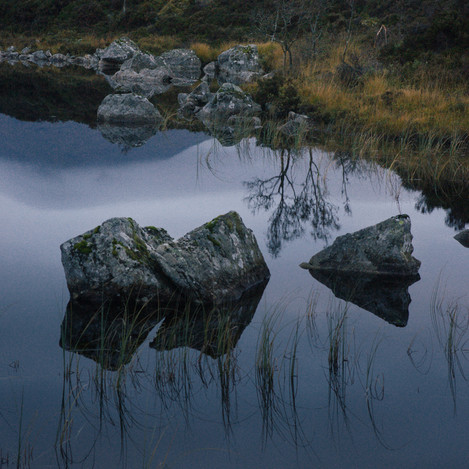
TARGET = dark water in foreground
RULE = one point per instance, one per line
(313, 381)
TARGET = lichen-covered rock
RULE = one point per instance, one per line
(229, 100)
(219, 260)
(239, 64)
(212, 264)
(146, 83)
(119, 51)
(191, 103)
(39, 57)
(210, 71)
(128, 108)
(183, 65)
(140, 61)
(385, 248)
(463, 238)
(113, 259)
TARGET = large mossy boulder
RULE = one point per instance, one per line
(384, 249)
(220, 259)
(214, 263)
(239, 65)
(114, 258)
(128, 108)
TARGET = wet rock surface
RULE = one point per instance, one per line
(128, 109)
(384, 249)
(214, 263)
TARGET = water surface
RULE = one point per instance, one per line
(397, 395)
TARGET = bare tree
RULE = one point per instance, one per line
(282, 21)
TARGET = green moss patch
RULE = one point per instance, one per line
(83, 246)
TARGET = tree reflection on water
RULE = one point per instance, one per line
(296, 199)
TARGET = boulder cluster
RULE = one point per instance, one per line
(135, 77)
(215, 263)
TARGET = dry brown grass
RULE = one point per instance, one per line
(382, 103)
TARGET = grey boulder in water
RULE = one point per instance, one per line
(215, 263)
(385, 249)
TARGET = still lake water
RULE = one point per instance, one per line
(399, 396)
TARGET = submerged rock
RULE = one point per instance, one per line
(214, 263)
(128, 108)
(385, 296)
(463, 238)
(239, 65)
(385, 249)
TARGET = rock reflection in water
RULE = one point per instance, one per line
(214, 331)
(126, 136)
(383, 295)
(108, 332)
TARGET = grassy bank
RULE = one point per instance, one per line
(374, 108)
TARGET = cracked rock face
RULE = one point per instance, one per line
(385, 248)
(214, 263)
